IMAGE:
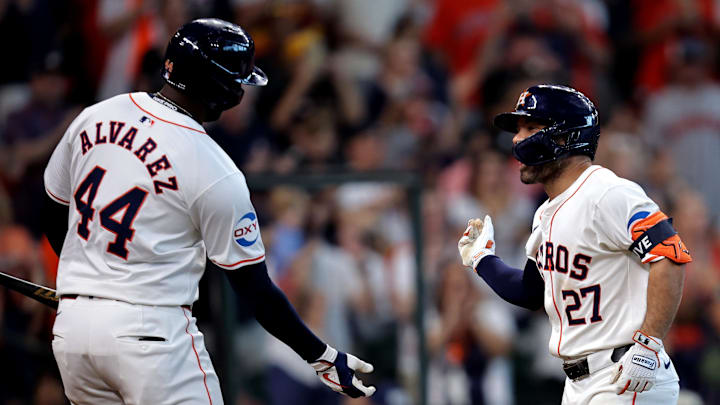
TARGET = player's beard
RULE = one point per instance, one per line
(542, 174)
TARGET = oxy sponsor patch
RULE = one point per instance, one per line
(246, 230)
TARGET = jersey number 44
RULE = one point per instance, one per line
(129, 202)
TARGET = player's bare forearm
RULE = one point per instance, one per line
(664, 293)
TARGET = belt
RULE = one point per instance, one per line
(74, 296)
(579, 369)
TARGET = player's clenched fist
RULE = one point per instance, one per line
(637, 368)
(337, 371)
(477, 241)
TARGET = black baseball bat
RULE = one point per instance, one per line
(37, 292)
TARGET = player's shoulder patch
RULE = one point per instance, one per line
(246, 230)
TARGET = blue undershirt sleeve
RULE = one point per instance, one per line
(524, 288)
(273, 311)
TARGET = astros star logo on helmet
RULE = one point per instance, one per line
(526, 97)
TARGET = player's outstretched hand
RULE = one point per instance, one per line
(337, 371)
(477, 241)
(636, 370)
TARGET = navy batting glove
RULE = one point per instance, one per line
(337, 371)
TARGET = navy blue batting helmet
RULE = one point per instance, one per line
(571, 122)
(210, 59)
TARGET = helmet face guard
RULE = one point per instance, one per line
(543, 146)
(537, 149)
(571, 124)
(210, 60)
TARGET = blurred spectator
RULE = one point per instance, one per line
(709, 366)
(330, 272)
(622, 149)
(314, 141)
(373, 205)
(290, 380)
(408, 105)
(538, 375)
(661, 181)
(489, 193)
(466, 334)
(287, 235)
(687, 338)
(660, 26)
(38, 23)
(30, 136)
(479, 36)
(364, 29)
(24, 325)
(240, 134)
(132, 28)
(684, 118)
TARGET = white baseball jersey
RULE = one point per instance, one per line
(149, 192)
(595, 288)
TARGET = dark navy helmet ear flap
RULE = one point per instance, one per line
(570, 118)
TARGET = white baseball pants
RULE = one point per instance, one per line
(112, 352)
(597, 390)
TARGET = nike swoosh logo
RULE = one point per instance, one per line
(667, 365)
(326, 376)
(533, 230)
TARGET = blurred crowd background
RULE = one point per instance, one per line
(373, 85)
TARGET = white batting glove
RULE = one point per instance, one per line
(477, 241)
(636, 369)
(337, 371)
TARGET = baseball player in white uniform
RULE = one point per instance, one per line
(144, 195)
(603, 260)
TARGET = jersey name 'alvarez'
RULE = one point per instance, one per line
(110, 133)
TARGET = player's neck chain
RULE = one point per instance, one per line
(170, 104)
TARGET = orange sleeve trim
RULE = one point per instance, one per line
(234, 265)
(56, 198)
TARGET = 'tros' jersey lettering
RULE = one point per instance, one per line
(149, 194)
(595, 288)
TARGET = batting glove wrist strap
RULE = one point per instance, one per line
(337, 371)
(636, 370)
(326, 360)
(651, 343)
(477, 241)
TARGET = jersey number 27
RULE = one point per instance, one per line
(130, 202)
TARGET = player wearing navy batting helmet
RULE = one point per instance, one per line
(602, 259)
(141, 195)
